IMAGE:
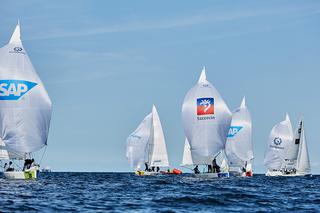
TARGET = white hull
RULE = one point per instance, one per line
(213, 175)
(281, 174)
(22, 175)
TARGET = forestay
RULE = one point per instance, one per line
(280, 138)
(206, 120)
(137, 143)
(239, 140)
(25, 107)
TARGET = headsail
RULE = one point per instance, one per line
(239, 148)
(303, 162)
(159, 156)
(137, 143)
(280, 138)
(206, 120)
(292, 151)
(187, 158)
(25, 107)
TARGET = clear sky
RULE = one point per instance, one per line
(104, 63)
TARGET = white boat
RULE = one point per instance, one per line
(287, 153)
(25, 107)
(206, 120)
(239, 148)
(146, 145)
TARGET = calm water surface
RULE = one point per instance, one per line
(118, 192)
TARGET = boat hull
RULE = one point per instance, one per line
(21, 175)
(30, 174)
(281, 174)
(213, 175)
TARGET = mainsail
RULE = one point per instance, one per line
(280, 138)
(239, 148)
(187, 158)
(25, 107)
(293, 148)
(146, 144)
(159, 156)
(137, 143)
(206, 120)
(303, 162)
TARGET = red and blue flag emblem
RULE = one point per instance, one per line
(205, 106)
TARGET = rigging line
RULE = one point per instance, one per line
(45, 149)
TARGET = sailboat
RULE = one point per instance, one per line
(239, 148)
(287, 153)
(146, 147)
(206, 120)
(25, 107)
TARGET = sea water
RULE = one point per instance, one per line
(119, 192)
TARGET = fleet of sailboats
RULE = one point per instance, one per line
(218, 143)
(25, 108)
(287, 153)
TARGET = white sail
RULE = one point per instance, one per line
(293, 149)
(187, 158)
(3, 151)
(25, 107)
(137, 143)
(206, 120)
(158, 150)
(239, 148)
(303, 162)
(280, 138)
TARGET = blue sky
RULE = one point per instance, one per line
(104, 64)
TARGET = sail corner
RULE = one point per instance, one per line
(203, 76)
(15, 38)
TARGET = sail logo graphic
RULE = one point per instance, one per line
(14, 89)
(205, 106)
(233, 131)
(17, 50)
(277, 141)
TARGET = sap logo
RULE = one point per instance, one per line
(233, 131)
(277, 141)
(205, 106)
(14, 89)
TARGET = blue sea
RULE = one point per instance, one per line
(119, 192)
